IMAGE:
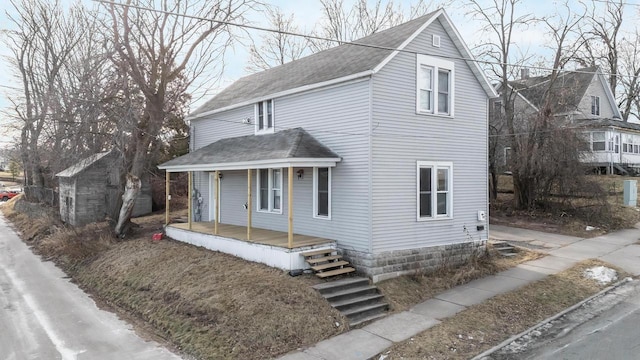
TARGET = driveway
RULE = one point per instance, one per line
(44, 316)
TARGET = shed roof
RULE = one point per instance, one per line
(82, 165)
(292, 147)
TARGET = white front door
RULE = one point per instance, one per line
(212, 196)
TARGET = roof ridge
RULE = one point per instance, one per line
(296, 142)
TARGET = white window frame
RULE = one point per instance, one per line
(437, 65)
(315, 196)
(595, 105)
(266, 129)
(434, 166)
(604, 140)
(270, 189)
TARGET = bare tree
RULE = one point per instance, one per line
(41, 44)
(342, 24)
(601, 39)
(629, 96)
(547, 153)
(500, 22)
(277, 48)
(162, 53)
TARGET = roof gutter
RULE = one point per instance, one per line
(284, 93)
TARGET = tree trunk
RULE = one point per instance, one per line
(493, 190)
(131, 191)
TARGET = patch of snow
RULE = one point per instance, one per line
(590, 228)
(601, 274)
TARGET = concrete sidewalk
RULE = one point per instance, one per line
(620, 248)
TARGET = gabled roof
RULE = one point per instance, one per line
(292, 147)
(567, 91)
(82, 165)
(337, 64)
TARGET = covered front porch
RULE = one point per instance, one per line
(264, 246)
(280, 153)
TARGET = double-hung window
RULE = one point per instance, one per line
(434, 85)
(322, 193)
(598, 141)
(264, 117)
(434, 190)
(270, 190)
(595, 105)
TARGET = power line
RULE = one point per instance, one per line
(355, 43)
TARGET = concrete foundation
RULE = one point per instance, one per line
(387, 265)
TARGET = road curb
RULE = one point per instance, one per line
(488, 352)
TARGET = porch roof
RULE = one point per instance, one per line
(292, 147)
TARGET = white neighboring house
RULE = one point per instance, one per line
(583, 98)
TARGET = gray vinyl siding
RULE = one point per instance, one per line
(401, 138)
(338, 117)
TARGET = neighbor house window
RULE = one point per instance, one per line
(434, 85)
(322, 192)
(598, 141)
(270, 190)
(264, 117)
(595, 105)
(435, 190)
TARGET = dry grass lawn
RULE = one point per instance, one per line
(568, 216)
(487, 324)
(206, 304)
(406, 291)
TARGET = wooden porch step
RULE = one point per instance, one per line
(317, 252)
(315, 261)
(330, 265)
(344, 270)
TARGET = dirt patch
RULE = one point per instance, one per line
(485, 325)
(406, 291)
(568, 215)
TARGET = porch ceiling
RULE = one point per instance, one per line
(292, 147)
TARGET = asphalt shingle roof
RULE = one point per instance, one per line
(285, 144)
(567, 91)
(334, 63)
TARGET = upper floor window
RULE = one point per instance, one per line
(435, 190)
(595, 105)
(434, 86)
(264, 117)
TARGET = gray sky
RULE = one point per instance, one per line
(306, 13)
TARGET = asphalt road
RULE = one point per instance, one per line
(608, 329)
(44, 316)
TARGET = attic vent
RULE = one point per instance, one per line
(436, 40)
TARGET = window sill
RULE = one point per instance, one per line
(322, 217)
(440, 218)
(262, 132)
(277, 212)
(446, 116)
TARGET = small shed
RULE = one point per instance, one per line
(89, 190)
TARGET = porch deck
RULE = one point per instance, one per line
(266, 246)
(258, 236)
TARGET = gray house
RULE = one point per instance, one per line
(582, 98)
(377, 149)
(89, 190)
